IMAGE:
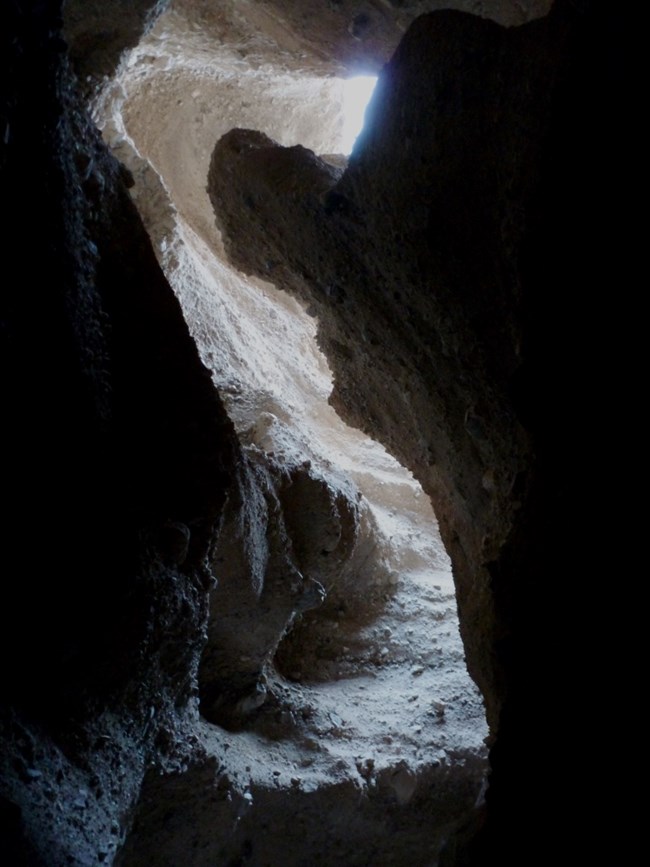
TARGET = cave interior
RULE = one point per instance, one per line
(189, 578)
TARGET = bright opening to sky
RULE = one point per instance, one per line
(356, 96)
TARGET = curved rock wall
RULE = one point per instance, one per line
(468, 218)
(424, 339)
(446, 268)
(120, 454)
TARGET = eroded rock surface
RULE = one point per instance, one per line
(288, 540)
(468, 217)
(444, 269)
(402, 309)
(118, 454)
(317, 505)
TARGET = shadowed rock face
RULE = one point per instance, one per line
(117, 456)
(453, 269)
(287, 538)
(98, 34)
(358, 35)
(446, 270)
(412, 262)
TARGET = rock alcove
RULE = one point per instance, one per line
(149, 716)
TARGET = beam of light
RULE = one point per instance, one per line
(356, 96)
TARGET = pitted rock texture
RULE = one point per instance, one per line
(446, 271)
(99, 33)
(119, 445)
(321, 505)
(282, 819)
(402, 309)
(288, 538)
(321, 37)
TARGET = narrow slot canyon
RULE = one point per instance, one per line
(334, 671)
(293, 431)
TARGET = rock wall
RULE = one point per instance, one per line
(453, 269)
(424, 339)
(117, 454)
(98, 33)
(447, 269)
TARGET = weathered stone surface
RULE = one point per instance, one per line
(447, 270)
(98, 33)
(115, 436)
(294, 540)
(340, 822)
(424, 339)
(332, 36)
(478, 220)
